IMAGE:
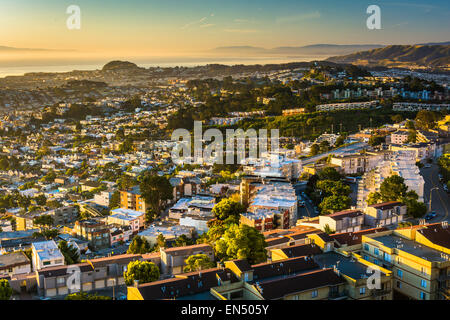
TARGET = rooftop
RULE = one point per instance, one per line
(411, 247)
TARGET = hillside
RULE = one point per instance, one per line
(436, 56)
(316, 49)
(120, 65)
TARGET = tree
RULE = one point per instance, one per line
(334, 204)
(328, 230)
(227, 208)
(242, 242)
(44, 220)
(339, 141)
(314, 150)
(155, 190)
(114, 202)
(85, 296)
(329, 173)
(150, 215)
(393, 188)
(69, 252)
(139, 246)
(5, 290)
(183, 241)
(426, 119)
(415, 208)
(142, 271)
(41, 200)
(330, 187)
(198, 262)
(160, 242)
(376, 140)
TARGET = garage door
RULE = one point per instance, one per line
(111, 282)
(63, 291)
(87, 286)
(99, 284)
(50, 292)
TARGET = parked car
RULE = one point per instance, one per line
(433, 213)
(428, 217)
(427, 165)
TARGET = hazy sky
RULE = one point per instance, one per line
(176, 26)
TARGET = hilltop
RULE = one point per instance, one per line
(436, 56)
(120, 65)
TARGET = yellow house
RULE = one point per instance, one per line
(419, 258)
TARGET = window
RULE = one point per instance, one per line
(423, 283)
(399, 284)
(423, 270)
(400, 274)
(366, 257)
(60, 280)
(423, 295)
(376, 251)
(362, 290)
(375, 261)
(314, 294)
(366, 247)
(387, 257)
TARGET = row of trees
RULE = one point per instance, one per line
(394, 188)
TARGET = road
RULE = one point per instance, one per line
(440, 198)
(351, 148)
(308, 209)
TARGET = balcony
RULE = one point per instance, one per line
(380, 292)
(444, 277)
(337, 295)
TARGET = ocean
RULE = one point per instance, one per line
(18, 69)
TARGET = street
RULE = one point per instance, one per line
(440, 198)
(351, 148)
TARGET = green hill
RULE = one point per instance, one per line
(436, 56)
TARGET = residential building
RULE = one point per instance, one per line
(173, 259)
(46, 254)
(419, 258)
(384, 214)
(94, 231)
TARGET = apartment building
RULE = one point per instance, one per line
(399, 137)
(45, 255)
(264, 220)
(173, 260)
(132, 199)
(419, 258)
(383, 214)
(357, 163)
(347, 106)
(14, 264)
(127, 217)
(94, 274)
(338, 222)
(61, 216)
(94, 231)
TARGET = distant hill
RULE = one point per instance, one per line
(13, 49)
(316, 49)
(437, 56)
(120, 65)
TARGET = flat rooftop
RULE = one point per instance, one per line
(346, 265)
(411, 247)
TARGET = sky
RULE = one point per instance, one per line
(174, 27)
